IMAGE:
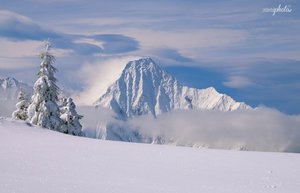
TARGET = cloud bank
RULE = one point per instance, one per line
(20, 28)
(261, 129)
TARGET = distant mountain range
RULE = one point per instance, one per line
(9, 90)
(145, 88)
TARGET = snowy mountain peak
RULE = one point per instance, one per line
(8, 82)
(144, 71)
(143, 64)
(145, 88)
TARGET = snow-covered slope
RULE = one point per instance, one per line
(35, 160)
(145, 88)
(9, 90)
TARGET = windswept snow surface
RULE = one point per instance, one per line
(35, 160)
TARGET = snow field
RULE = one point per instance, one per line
(34, 160)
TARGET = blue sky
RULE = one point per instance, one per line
(231, 45)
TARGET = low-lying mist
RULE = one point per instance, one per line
(261, 129)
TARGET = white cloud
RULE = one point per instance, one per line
(99, 21)
(20, 54)
(261, 129)
(188, 38)
(94, 120)
(61, 52)
(11, 64)
(238, 82)
(7, 16)
(19, 49)
(187, 42)
(90, 41)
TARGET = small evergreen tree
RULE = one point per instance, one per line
(43, 110)
(22, 105)
(70, 117)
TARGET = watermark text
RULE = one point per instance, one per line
(279, 9)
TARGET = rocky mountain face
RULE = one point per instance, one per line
(145, 88)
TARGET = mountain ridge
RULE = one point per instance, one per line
(145, 88)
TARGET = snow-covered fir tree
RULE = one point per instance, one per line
(70, 117)
(43, 110)
(22, 105)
